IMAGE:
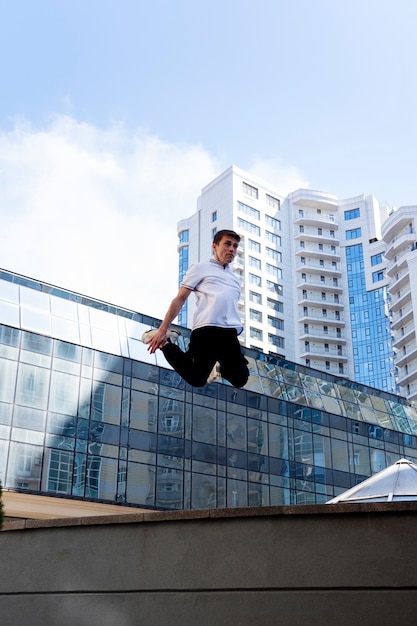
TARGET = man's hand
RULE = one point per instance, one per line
(158, 340)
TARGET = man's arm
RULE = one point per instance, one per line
(159, 339)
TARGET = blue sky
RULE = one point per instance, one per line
(98, 96)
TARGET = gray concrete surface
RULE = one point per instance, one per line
(290, 566)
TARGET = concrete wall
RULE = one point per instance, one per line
(315, 565)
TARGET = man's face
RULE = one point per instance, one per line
(225, 251)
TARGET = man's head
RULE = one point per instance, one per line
(225, 245)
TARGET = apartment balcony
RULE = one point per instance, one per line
(406, 359)
(324, 238)
(311, 318)
(328, 303)
(400, 282)
(320, 353)
(318, 285)
(407, 375)
(397, 266)
(406, 316)
(400, 302)
(402, 340)
(314, 199)
(328, 255)
(401, 244)
(330, 337)
(314, 268)
(320, 220)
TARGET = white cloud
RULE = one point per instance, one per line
(285, 178)
(95, 211)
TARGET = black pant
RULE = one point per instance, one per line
(208, 345)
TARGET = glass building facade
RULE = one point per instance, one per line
(370, 323)
(87, 412)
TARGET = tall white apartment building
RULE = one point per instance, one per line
(399, 234)
(252, 208)
(314, 287)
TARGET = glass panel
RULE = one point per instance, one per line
(236, 432)
(340, 455)
(169, 488)
(278, 441)
(24, 468)
(236, 493)
(32, 419)
(204, 425)
(64, 393)
(106, 403)
(203, 495)
(8, 372)
(143, 411)
(322, 451)
(32, 386)
(9, 313)
(59, 466)
(257, 437)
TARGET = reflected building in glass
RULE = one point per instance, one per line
(87, 413)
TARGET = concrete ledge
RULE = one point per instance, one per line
(128, 515)
(319, 565)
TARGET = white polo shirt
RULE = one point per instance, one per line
(217, 292)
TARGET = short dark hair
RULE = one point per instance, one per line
(225, 233)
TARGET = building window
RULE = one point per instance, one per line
(300, 213)
(214, 216)
(352, 214)
(255, 315)
(354, 233)
(276, 322)
(250, 228)
(275, 305)
(274, 271)
(274, 287)
(273, 238)
(249, 190)
(276, 341)
(254, 263)
(184, 236)
(255, 280)
(274, 254)
(377, 276)
(301, 228)
(255, 297)
(274, 202)
(248, 210)
(255, 333)
(254, 245)
(273, 222)
(319, 231)
(332, 234)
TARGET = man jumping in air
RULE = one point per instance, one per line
(214, 350)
